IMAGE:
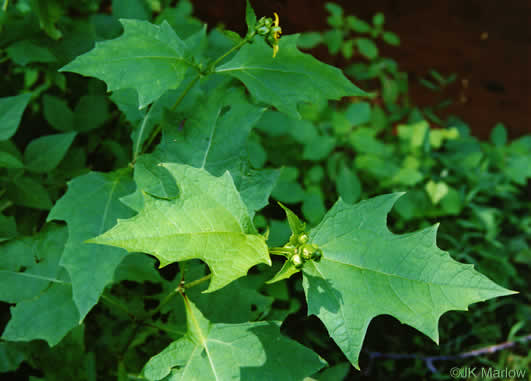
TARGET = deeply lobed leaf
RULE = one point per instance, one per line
(368, 271)
(208, 221)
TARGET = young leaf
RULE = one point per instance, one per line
(250, 17)
(208, 221)
(147, 57)
(289, 78)
(44, 153)
(248, 351)
(90, 206)
(368, 271)
(11, 109)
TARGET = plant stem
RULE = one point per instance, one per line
(285, 251)
(196, 282)
(212, 66)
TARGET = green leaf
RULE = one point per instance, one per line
(147, 58)
(368, 271)
(8, 228)
(319, 148)
(131, 9)
(57, 113)
(25, 52)
(248, 351)
(11, 109)
(357, 25)
(25, 191)
(49, 317)
(208, 221)
(498, 135)
(91, 206)
(436, 191)
(213, 137)
(8, 160)
(309, 40)
(367, 48)
(348, 185)
(391, 38)
(90, 113)
(378, 19)
(295, 224)
(29, 264)
(289, 78)
(46, 152)
(250, 17)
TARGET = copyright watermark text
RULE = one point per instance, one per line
(487, 373)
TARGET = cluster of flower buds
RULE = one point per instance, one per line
(302, 250)
(270, 30)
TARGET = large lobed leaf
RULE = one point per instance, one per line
(91, 206)
(147, 57)
(208, 220)
(247, 351)
(289, 78)
(368, 271)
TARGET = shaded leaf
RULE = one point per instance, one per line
(44, 153)
(91, 206)
(11, 109)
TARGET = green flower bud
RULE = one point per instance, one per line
(297, 261)
(303, 238)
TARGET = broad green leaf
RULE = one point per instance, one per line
(57, 113)
(25, 191)
(90, 207)
(90, 113)
(7, 160)
(289, 78)
(11, 110)
(25, 52)
(319, 147)
(215, 135)
(208, 221)
(368, 271)
(44, 153)
(248, 351)
(29, 264)
(147, 58)
(49, 316)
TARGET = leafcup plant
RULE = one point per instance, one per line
(187, 193)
